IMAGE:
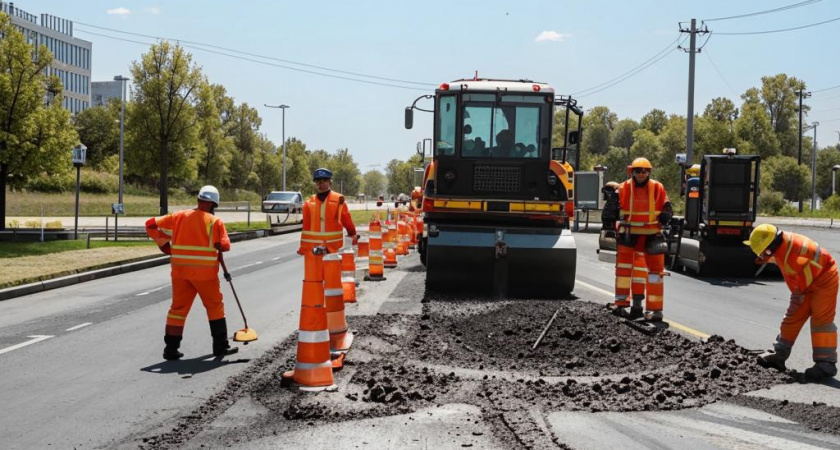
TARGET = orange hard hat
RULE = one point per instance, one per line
(641, 163)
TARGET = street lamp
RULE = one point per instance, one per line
(78, 157)
(118, 207)
(283, 107)
(833, 174)
(814, 169)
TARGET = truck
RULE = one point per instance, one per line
(497, 199)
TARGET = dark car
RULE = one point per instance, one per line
(283, 202)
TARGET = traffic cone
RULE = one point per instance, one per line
(376, 261)
(340, 338)
(348, 275)
(412, 231)
(362, 262)
(402, 237)
(313, 369)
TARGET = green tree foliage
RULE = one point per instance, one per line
(784, 175)
(268, 169)
(755, 133)
(598, 124)
(400, 175)
(347, 178)
(778, 97)
(99, 130)
(616, 161)
(163, 120)
(559, 129)
(216, 148)
(721, 109)
(298, 175)
(375, 183)
(622, 135)
(35, 137)
(244, 129)
(654, 121)
(826, 159)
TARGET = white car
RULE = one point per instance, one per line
(283, 202)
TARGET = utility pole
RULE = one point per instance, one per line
(802, 95)
(283, 107)
(120, 208)
(692, 50)
(814, 170)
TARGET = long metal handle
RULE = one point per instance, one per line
(230, 280)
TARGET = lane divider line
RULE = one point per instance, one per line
(35, 339)
(676, 325)
(79, 326)
(150, 291)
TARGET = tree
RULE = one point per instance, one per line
(216, 149)
(654, 121)
(755, 133)
(622, 135)
(34, 137)
(99, 130)
(374, 183)
(347, 178)
(163, 118)
(672, 138)
(244, 129)
(400, 175)
(298, 175)
(783, 174)
(779, 99)
(268, 169)
(721, 109)
(560, 127)
(826, 159)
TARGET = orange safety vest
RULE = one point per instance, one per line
(802, 261)
(322, 222)
(641, 206)
(193, 235)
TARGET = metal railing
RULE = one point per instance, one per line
(108, 235)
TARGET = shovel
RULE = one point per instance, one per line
(246, 334)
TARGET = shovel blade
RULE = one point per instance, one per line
(245, 335)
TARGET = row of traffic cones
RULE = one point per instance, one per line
(329, 282)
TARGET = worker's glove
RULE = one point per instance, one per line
(355, 240)
(227, 276)
(166, 248)
(665, 218)
(151, 223)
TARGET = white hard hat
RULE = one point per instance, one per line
(209, 194)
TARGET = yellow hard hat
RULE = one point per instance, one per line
(694, 170)
(641, 163)
(761, 238)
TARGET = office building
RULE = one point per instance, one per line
(71, 56)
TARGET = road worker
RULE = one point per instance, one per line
(416, 199)
(612, 208)
(640, 265)
(324, 216)
(195, 239)
(811, 275)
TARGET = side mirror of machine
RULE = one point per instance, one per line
(574, 137)
(409, 118)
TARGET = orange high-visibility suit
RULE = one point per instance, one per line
(811, 275)
(323, 222)
(195, 238)
(635, 270)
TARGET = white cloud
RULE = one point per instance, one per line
(551, 36)
(119, 11)
(153, 10)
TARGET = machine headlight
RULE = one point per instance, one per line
(552, 179)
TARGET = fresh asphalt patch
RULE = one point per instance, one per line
(425, 352)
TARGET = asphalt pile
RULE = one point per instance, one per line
(479, 352)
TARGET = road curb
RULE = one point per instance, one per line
(121, 267)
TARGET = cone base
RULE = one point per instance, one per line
(338, 362)
(375, 278)
(341, 344)
(288, 380)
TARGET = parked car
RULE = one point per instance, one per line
(282, 202)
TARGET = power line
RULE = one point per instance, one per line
(328, 69)
(630, 75)
(265, 63)
(782, 30)
(720, 74)
(782, 8)
(664, 50)
(826, 89)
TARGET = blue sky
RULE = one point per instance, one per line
(572, 44)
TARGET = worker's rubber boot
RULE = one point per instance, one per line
(636, 311)
(821, 371)
(774, 359)
(654, 316)
(221, 346)
(170, 352)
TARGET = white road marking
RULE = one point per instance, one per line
(36, 338)
(275, 259)
(258, 262)
(79, 326)
(150, 291)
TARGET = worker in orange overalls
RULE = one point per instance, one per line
(324, 216)
(811, 275)
(195, 238)
(645, 208)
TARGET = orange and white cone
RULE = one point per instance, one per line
(313, 369)
(340, 337)
(348, 275)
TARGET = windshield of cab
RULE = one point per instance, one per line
(510, 129)
(281, 196)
